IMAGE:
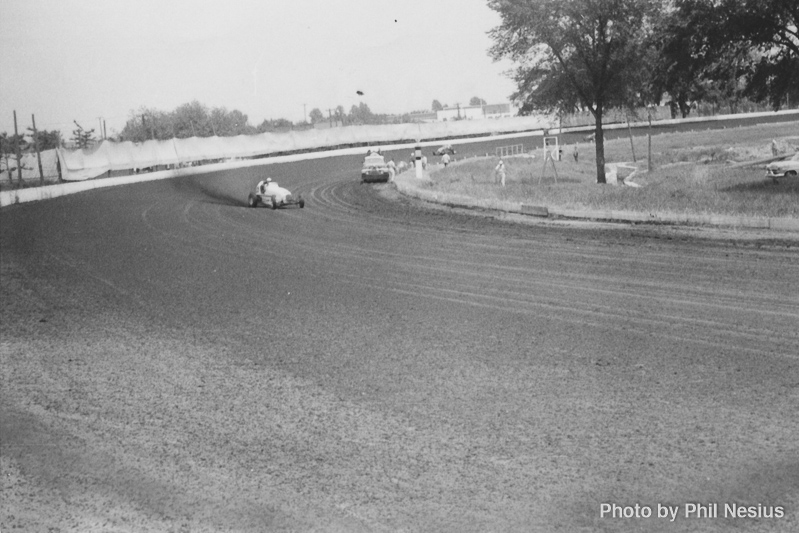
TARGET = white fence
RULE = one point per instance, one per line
(506, 151)
(88, 163)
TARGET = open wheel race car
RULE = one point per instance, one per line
(269, 193)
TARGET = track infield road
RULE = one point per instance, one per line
(175, 361)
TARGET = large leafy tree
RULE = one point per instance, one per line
(226, 123)
(280, 124)
(188, 120)
(771, 29)
(576, 53)
(682, 59)
(722, 50)
(192, 120)
(47, 140)
(361, 114)
(146, 123)
(316, 115)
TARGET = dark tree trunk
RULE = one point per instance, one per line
(600, 146)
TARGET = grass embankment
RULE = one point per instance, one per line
(691, 176)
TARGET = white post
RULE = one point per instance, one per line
(418, 162)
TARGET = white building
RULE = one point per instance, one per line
(475, 112)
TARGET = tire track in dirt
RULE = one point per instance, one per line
(373, 364)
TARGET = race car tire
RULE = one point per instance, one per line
(252, 201)
(274, 203)
(302, 203)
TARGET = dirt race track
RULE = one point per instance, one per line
(175, 361)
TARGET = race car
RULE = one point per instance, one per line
(375, 168)
(446, 149)
(269, 193)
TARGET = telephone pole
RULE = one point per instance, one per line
(36, 146)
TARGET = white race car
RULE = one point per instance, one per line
(269, 193)
(445, 149)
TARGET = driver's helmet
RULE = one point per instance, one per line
(269, 180)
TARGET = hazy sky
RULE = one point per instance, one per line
(66, 60)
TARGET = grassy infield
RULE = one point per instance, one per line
(691, 176)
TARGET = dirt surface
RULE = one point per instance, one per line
(175, 361)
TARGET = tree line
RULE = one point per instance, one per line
(194, 119)
(596, 55)
(358, 115)
(197, 120)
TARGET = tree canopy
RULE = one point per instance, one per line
(575, 53)
(47, 140)
(83, 138)
(187, 120)
(316, 115)
(729, 49)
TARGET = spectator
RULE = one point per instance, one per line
(445, 159)
(499, 170)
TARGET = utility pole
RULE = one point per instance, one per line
(144, 125)
(16, 150)
(304, 114)
(649, 164)
(36, 146)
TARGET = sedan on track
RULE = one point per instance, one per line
(375, 169)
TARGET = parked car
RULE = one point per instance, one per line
(375, 169)
(788, 168)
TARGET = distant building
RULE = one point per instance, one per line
(328, 124)
(498, 110)
(423, 117)
(460, 113)
(471, 112)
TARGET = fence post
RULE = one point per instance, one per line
(36, 146)
(16, 151)
(630, 132)
(649, 142)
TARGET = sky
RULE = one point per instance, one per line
(94, 60)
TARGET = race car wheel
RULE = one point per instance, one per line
(252, 201)
(274, 203)
(302, 203)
